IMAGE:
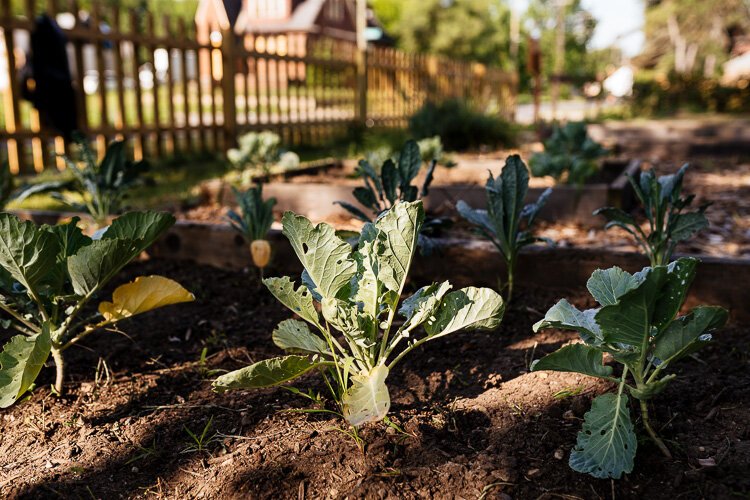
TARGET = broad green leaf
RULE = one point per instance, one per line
(94, 265)
(608, 285)
(477, 217)
(70, 237)
(471, 308)
(686, 225)
(267, 373)
(673, 342)
(409, 162)
(577, 358)
(143, 294)
(629, 321)
(27, 252)
(365, 196)
(395, 234)
(680, 274)
(515, 184)
(300, 301)
(566, 316)
(295, 336)
(21, 360)
(367, 400)
(141, 227)
(650, 390)
(368, 288)
(391, 181)
(606, 444)
(325, 256)
(424, 303)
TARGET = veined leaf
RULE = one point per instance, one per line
(391, 181)
(478, 217)
(300, 301)
(267, 373)
(629, 321)
(674, 342)
(470, 308)
(688, 224)
(577, 358)
(21, 360)
(94, 265)
(424, 303)
(369, 286)
(566, 316)
(325, 256)
(144, 294)
(606, 445)
(608, 285)
(142, 228)
(295, 336)
(680, 274)
(409, 162)
(367, 400)
(27, 252)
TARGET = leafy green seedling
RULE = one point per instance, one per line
(261, 150)
(48, 274)
(253, 222)
(637, 325)
(570, 155)
(669, 222)
(507, 222)
(101, 187)
(358, 292)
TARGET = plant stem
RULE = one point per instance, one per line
(647, 424)
(59, 369)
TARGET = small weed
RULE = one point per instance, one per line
(200, 442)
(568, 392)
(144, 452)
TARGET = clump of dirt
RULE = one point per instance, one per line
(473, 422)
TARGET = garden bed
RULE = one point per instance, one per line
(315, 196)
(478, 423)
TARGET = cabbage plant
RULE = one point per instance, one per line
(101, 187)
(669, 222)
(348, 305)
(507, 222)
(637, 325)
(49, 274)
(253, 222)
(263, 150)
(570, 154)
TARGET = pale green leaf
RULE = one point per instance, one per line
(300, 301)
(576, 358)
(423, 304)
(367, 400)
(21, 360)
(566, 316)
(267, 373)
(606, 444)
(608, 285)
(295, 336)
(470, 308)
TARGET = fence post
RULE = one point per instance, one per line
(361, 22)
(228, 91)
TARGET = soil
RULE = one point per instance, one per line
(476, 423)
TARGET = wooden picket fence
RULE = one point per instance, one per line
(153, 83)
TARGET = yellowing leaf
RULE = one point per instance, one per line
(143, 294)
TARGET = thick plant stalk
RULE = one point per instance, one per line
(59, 369)
(647, 424)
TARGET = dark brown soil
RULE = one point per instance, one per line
(477, 423)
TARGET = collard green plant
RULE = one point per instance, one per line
(253, 222)
(48, 274)
(354, 342)
(666, 211)
(507, 222)
(102, 187)
(570, 154)
(637, 325)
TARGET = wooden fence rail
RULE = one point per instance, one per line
(153, 83)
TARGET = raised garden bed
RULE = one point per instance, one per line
(316, 197)
(478, 423)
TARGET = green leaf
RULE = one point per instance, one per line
(267, 373)
(629, 321)
(356, 212)
(395, 235)
(515, 184)
(295, 336)
(470, 308)
(613, 214)
(367, 400)
(680, 274)
(325, 256)
(391, 180)
(686, 225)
(675, 342)
(27, 252)
(424, 303)
(608, 285)
(577, 358)
(650, 390)
(409, 162)
(70, 237)
(140, 228)
(21, 360)
(300, 301)
(94, 265)
(566, 316)
(366, 197)
(606, 445)
(478, 217)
